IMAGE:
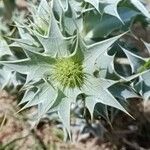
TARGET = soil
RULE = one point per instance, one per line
(125, 133)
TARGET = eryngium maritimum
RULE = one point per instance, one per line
(56, 75)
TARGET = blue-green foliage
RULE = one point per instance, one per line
(87, 33)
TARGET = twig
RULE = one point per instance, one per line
(3, 121)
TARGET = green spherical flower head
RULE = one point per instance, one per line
(69, 73)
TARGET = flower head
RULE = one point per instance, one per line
(69, 73)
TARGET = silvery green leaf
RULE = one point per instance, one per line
(102, 110)
(145, 78)
(70, 19)
(146, 86)
(72, 93)
(68, 14)
(47, 103)
(134, 76)
(140, 7)
(41, 16)
(43, 9)
(122, 91)
(29, 95)
(57, 7)
(104, 64)
(3, 27)
(146, 96)
(100, 93)
(134, 60)
(24, 34)
(143, 86)
(94, 3)
(90, 103)
(147, 46)
(31, 65)
(95, 50)
(54, 42)
(45, 95)
(111, 9)
(26, 44)
(22, 44)
(64, 113)
(5, 76)
(4, 48)
(62, 105)
(138, 86)
(97, 26)
(108, 70)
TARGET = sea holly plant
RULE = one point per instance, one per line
(62, 62)
(9, 79)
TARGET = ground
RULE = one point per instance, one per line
(126, 133)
